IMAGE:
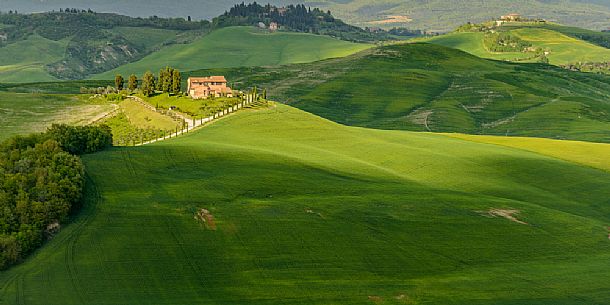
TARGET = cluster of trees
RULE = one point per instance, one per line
(297, 18)
(41, 181)
(505, 42)
(169, 80)
(595, 67)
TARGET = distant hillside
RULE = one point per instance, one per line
(241, 46)
(434, 15)
(517, 42)
(73, 44)
(426, 87)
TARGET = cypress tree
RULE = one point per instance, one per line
(133, 82)
(118, 82)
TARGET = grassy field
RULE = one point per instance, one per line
(24, 113)
(585, 153)
(426, 87)
(301, 210)
(25, 60)
(563, 49)
(241, 46)
(190, 107)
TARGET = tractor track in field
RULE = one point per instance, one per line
(74, 236)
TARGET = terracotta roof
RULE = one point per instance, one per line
(217, 79)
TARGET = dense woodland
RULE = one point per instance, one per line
(41, 182)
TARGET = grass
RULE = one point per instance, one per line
(25, 60)
(563, 49)
(240, 46)
(190, 107)
(312, 212)
(145, 118)
(590, 154)
(24, 113)
(426, 87)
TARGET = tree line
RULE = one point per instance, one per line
(169, 80)
(41, 182)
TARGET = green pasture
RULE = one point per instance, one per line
(192, 108)
(307, 211)
(24, 113)
(240, 46)
(24, 61)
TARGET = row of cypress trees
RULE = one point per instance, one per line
(169, 80)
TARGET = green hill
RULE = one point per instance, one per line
(241, 46)
(427, 87)
(280, 206)
(562, 49)
(26, 60)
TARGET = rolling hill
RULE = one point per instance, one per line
(241, 46)
(277, 205)
(563, 49)
(435, 15)
(26, 60)
(426, 87)
(25, 113)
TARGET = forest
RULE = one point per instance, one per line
(41, 182)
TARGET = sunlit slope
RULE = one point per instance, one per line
(25, 113)
(241, 46)
(589, 154)
(307, 211)
(426, 87)
(24, 61)
(562, 49)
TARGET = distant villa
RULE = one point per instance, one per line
(211, 86)
(511, 17)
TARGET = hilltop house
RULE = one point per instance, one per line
(511, 18)
(273, 26)
(205, 87)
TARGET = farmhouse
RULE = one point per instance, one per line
(511, 17)
(273, 26)
(205, 87)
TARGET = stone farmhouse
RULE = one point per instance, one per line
(511, 18)
(211, 86)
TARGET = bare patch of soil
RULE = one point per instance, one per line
(393, 19)
(504, 213)
(206, 218)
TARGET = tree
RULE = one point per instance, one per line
(176, 81)
(133, 82)
(148, 84)
(118, 81)
(265, 93)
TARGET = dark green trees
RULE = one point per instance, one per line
(132, 84)
(176, 81)
(148, 84)
(41, 181)
(118, 82)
